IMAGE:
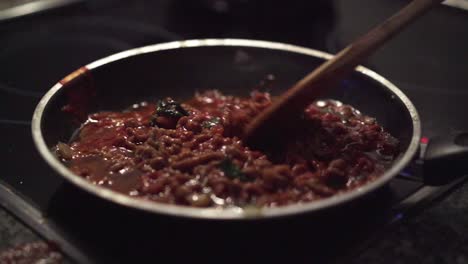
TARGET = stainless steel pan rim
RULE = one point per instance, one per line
(232, 213)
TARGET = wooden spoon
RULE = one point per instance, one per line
(277, 121)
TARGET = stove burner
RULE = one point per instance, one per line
(34, 59)
(47, 60)
(47, 54)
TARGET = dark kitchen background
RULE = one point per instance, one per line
(42, 41)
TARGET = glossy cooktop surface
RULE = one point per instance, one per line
(426, 62)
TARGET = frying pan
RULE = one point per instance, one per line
(234, 66)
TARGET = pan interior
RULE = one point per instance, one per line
(179, 73)
(237, 70)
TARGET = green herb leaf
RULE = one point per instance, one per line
(232, 171)
(170, 108)
(211, 123)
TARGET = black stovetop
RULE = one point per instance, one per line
(426, 62)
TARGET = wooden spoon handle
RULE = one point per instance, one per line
(276, 117)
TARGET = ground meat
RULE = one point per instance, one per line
(191, 153)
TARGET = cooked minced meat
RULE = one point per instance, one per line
(192, 154)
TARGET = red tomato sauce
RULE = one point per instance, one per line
(191, 153)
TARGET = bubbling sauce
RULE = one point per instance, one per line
(191, 153)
